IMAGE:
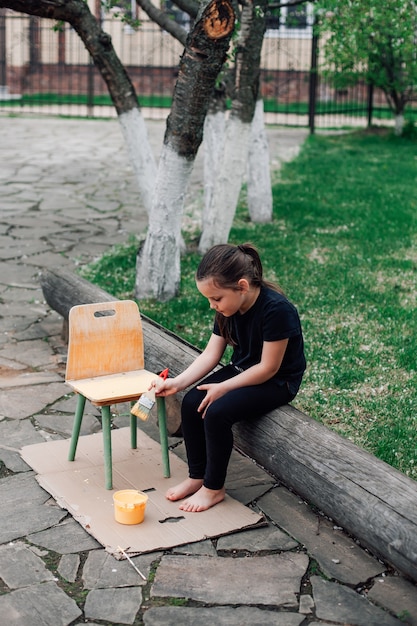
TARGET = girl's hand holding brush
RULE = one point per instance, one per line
(144, 405)
(164, 386)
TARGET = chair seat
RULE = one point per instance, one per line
(102, 390)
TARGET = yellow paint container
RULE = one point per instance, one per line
(129, 506)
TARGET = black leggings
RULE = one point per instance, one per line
(209, 441)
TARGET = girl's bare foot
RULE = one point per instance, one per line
(203, 499)
(184, 489)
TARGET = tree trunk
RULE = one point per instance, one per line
(214, 135)
(219, 216)
(258, 166)
(259, 174)
(158, 262)
(236, 146)
(399, 124)
(258, 178)
(121, 90)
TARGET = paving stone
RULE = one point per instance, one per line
(21, 321)
(63, 537)
(48, 260)
(68, 567)
(17, 434)
(68, 404)
(340, 604)
(8, 367)
(20, 250)
(117, 606)
(38, 551)
(19, 275)
(34, 352)
(26, 297)
(35, 224)
(243, 472)
(199, 548)
(9, 326)
(60, 246)
(22, 232)
(28, 379)
(40, 330)
(18, 404)
(102, 570)
(3, 334)
(231, 581)
(219, 616)
(306, 604)
(38, 605)
(12, 460)
(338, 555)
(26, 308)
(19, 567)
(63, 423)
(22, 507)
(257, 540)
(398, 596)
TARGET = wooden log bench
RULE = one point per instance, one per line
(368, 498)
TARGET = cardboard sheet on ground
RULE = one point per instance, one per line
(78, 487)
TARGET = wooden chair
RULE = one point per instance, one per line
(106, 366)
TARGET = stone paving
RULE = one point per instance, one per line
(67, 194)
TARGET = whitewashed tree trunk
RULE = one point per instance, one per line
(259, 174)
(140, 154)
(219, 217)
(214, 137)
(258, 177)
(233, 165)
(399, 124)
(159, 259)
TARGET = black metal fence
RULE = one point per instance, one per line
(44, 69)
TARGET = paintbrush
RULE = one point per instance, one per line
(143, 406)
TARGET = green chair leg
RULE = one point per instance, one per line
(133, 430)
(163, 435)
(106, 425)
(79, 412)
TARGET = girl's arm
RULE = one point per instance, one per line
(201, 366)
(271, 359)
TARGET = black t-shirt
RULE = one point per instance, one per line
(271, 318)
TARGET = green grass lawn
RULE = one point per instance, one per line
(343, 245)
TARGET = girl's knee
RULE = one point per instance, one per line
(216, 419)
(191, 402)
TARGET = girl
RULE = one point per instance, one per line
(265, 372)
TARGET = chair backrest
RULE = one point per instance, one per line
(104, 338)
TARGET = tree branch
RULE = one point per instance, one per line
(44, 8)
(163, 20)
(188, 6)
